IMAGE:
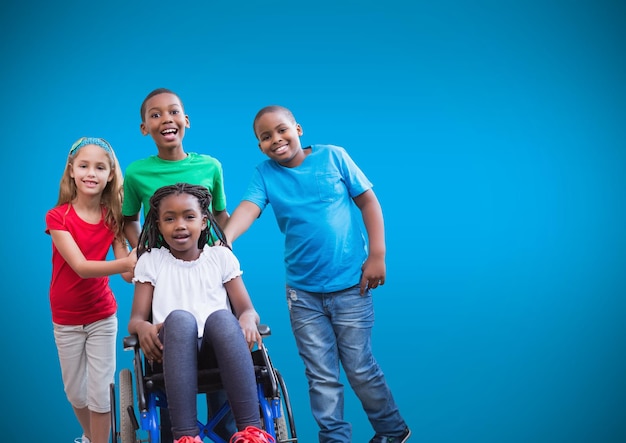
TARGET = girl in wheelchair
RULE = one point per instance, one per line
(188, 286)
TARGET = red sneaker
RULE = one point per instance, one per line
(188, 439)
(252, 435)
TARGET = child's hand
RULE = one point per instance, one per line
(250, 330)
(132, 259)
(149, 341)
(374, 272)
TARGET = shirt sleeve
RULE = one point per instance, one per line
(54, 221)
(146, 268)
(356, 181)
(256, 191)
(131, 204)
(219, 193)
(230, 264)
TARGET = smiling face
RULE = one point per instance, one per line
(279, 138)
(181, 223)
(165, 121)
(91, 170)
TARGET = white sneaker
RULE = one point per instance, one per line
(82, 439)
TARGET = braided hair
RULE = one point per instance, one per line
(150, 236)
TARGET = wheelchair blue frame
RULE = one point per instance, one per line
(274, 404)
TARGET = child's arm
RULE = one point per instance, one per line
(120, 250)
(242, 218)
(132, 229)
(374, 269)
(139, 324)
(242, 305)
(221, 217)
(71, 253)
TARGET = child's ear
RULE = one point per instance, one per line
(187, 122)
(143, 129)
(299, 129)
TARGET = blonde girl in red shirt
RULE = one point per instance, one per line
(84, 225)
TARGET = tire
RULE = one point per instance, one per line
(127, 430)
(280, 424)
(284, 432)
(113, 414)
(288, 431)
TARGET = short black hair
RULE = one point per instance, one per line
(157, 91)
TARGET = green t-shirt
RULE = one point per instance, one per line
(143, 177)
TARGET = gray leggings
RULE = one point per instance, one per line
(222, 345)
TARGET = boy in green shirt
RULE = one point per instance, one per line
(163, 118)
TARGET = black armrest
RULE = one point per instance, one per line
(132, 341)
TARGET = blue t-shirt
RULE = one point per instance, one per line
(325, 245)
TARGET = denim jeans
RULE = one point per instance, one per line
(333, 328)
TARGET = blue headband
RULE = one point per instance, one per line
(83, 141)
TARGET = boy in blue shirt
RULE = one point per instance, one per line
(330, 269)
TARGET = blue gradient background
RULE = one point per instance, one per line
(494, 133)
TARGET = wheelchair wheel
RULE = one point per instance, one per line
(285, 432)
(280, 426)
(127, 429)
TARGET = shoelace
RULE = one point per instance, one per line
(188, 439)
(252, 435)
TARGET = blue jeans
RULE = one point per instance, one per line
(335, 327)
(222, 345)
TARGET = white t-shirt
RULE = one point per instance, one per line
(194, 286)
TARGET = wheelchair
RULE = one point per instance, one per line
(274, 404)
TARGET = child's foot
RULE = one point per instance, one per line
(399, 439)
(252, 435)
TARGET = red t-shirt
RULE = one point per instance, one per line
(75, 300)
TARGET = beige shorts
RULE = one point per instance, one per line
(87, 357)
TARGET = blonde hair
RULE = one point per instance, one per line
(112, 195)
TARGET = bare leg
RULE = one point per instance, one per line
(84, 418)
(96, 426)
(100, 427)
